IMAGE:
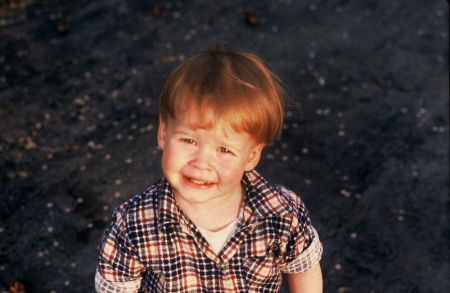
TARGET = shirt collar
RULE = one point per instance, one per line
(261, 200)
(169, 212)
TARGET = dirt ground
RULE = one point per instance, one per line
(367, 150)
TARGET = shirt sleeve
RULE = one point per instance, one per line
(307, 259)
(118, 264)
(303, 249)
(104, 286)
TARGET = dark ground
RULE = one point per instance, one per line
(368, 153)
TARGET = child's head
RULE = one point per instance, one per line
(234, 87)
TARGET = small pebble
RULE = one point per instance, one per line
(252, 17)
(63, 27)
(345, 193)
(115, 94)
(159, 10)
(91, 128)
(322, 81)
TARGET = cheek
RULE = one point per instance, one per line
(232, 172)
(173, 157)
(168, 159)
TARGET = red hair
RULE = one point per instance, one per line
(235, 87)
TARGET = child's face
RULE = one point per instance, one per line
(204, 165)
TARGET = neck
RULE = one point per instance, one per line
(213, 215)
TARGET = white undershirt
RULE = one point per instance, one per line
(217, 239)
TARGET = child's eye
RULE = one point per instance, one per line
(188, 140)
(224, 150)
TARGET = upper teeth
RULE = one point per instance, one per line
(198, 181)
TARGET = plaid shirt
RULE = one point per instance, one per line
(152, 245)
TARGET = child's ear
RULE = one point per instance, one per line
(254, 157)
(162, 133)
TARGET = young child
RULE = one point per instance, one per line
(212, 223)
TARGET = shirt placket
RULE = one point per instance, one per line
(190, 229)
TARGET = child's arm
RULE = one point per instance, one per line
(306, 282)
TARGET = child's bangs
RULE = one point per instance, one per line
(215, 87)
(233, 105)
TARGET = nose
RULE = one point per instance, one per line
(201, 158)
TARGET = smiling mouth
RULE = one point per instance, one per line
(197, 182)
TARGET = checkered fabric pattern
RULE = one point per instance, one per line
(153, 243)
(102, 285)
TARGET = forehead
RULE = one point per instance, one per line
(197, 120)
(207, 112)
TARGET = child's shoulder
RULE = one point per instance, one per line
(147, 202)
(286, 194)
(274, 198)
(291, 201)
